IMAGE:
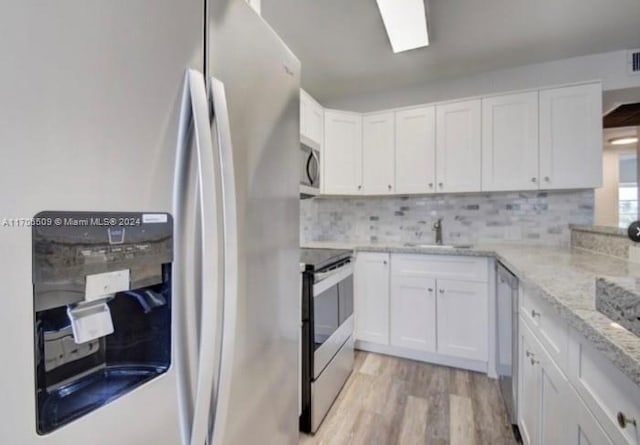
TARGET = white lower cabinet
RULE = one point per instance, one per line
(584, 428)
(371, 303)
(529, 388)
(463, 319)
(572, 407)
(418, 309)
(413, 312)
(544, 391)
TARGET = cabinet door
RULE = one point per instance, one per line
(510, 142)
(584, 428)
(571, 137)
(458, 147)
(463, 319)
(311, 121)
(378, 154)
(413, 312)
(554, 394)
(416, 150)
(529, 387)
(342, 153)
(371, 305)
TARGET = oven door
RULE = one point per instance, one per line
(332, 316)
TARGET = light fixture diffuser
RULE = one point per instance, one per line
(406, 23)
(623, 140)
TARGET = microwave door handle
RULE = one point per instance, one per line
(195, 98)
(314, 181)
(230, 291)
(309, 159)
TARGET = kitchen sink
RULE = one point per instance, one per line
(439, 246)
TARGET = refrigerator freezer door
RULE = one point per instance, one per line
(257, 400)
(90, 101)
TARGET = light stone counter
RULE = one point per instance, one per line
(566, 278)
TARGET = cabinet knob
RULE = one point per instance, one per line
(359, 187)
(534, 179)
(389, 186)
(384, 262)
(430, 289)
(440, 184)
(547, 179)
(529, 354)
(431, 185)
(623, 420)
(535, 314)
(534, 361)
(442, 291)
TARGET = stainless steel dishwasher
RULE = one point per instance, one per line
(507, 302)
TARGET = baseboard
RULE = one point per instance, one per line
(427, 357)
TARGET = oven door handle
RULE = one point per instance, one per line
(330, 279)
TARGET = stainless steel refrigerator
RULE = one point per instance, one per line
(180, 118)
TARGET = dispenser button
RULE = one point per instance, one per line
(101, 285)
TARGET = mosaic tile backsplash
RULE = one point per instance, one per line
(523, 217)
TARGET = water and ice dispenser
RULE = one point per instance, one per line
(102, 303)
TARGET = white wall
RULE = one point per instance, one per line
(609, 67)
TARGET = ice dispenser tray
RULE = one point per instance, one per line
(102, 309)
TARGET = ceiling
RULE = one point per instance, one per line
(620, 132)
(626, 115)
(344, 48)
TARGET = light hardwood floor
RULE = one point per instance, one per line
(392, 401)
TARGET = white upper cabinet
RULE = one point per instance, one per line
(571, 137)
(378, 154)
(342, 153)
(416, 150)
(458, 146)
(510, 142)
(311, 121)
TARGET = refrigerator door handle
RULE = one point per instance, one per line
(222, 130)
(195, 110)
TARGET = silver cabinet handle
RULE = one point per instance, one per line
(623, 420)
(535, 314)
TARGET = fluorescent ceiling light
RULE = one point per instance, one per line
(623, 140)
(406, 23)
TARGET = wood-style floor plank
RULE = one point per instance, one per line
(392, 401)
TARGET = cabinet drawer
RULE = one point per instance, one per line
(465, 268)
(604, 389)
(549, 329)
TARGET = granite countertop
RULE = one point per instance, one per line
(566, 278)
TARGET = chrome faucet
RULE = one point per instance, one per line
(437, 227)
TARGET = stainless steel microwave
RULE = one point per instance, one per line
(309, 171)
